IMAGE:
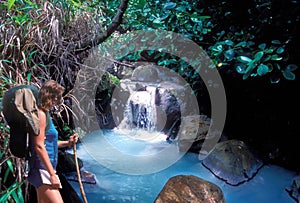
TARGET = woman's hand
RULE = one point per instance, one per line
(55, 181)
(69, 143)
(73, 139)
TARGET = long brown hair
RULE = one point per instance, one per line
(48, 92)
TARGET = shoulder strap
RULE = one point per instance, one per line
(47, 121)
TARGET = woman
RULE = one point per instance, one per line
(44, 147)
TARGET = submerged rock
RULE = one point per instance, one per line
(232, 162)
(189, 188)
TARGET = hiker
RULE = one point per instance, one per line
(44, 147)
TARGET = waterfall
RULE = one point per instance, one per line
(140, 111)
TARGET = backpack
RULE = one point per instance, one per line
(21, 114)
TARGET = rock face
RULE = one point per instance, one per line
(232, 162)
(193, 132)
(294, 189)
(188, 188)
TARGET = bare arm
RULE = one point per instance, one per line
(68, 143)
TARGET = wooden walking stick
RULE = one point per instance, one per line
(78, 174)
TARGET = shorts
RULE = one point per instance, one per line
(37, 177)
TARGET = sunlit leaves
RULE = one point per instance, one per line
(169, 5)
(10, 3)
(244, 59)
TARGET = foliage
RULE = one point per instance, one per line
(11, 168)
(241, 48)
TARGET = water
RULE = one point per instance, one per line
(113, 185)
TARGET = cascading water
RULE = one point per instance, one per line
(141, 110)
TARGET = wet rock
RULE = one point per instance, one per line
(193, 132)
(66, 162)
(294, 189)
(188, 188)
(233, 162)
(145, 73)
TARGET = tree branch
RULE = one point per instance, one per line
(111, 28)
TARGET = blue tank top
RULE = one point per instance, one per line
(51, 139)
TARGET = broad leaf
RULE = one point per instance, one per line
(280, 50)
(262, 46)
(258, 55)
(289, 75)
(169, 5)
(291, 67)
(276, 42)
(262, 69)
(244, 59)
(275, 57)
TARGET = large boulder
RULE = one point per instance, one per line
(189, 188)
(233, 162)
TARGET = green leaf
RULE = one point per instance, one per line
(6, 61)
(249, 70)
(32, 53)
(217, 48)
(280, 50)
(291, 67)
(157, 21)
(250, 43)
(289, 75)
(10, 4)
(241, 44)
(204, 17)
(181, 8)
(269, 51)
(195, 17)
(275, 57)
(28, 78)
(262, 46)
(268, 57)
(9, 169)
(262, 69)
(10, 190)
(244, 59)
(169, 5)
(241, 68)
(277, 66)
(229, 54)
(15, 196)
(258, 55)
(229, 42)
(6, 80)
(276, 42)
(20, 195)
